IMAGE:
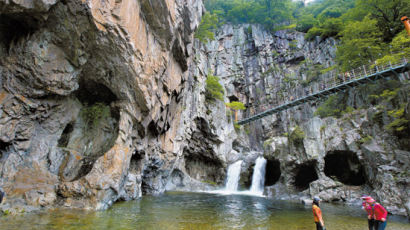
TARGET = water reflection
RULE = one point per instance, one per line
(198, 211)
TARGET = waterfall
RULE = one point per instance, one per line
(258, 177)
(234, 171)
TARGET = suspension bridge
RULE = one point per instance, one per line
(338, 83)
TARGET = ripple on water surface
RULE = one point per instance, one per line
(199, 211)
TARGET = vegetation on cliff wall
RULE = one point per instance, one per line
(368, 29)
(214, 90)
(209, 22)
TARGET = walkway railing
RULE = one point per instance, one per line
(333, 84)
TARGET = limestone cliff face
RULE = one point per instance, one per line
(92, 101)
(338, 159)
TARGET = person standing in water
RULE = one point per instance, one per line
(317, 214)
(379, 213)
(368, 208)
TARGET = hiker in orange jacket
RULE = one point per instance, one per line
(317, 214)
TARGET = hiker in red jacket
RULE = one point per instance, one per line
(368, 208)
(379, 213)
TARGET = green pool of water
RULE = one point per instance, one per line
(199, 211)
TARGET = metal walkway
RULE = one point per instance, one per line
(348, 80)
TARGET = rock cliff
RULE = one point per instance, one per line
(91, 101)
(337, 158)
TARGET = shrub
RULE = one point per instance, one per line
(237, 127)
(366, 139)
(214, 90)
(296, 136)
(95, 114)
(331, 107)
(399, 124)
(236, 105)
(209, 22)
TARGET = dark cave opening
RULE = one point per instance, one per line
(91, 92)
(233, 98)
(305, 174)
(272, 173)
(344, 166)
(4, 147)
(16, 26)
(136, 162)
(65, 136)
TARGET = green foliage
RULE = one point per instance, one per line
(209, 22)
(332, 107)
(209, 182)
(296, 136)
(361, 41)
(305, 23)
(214, 90)
(348, 110)
(312, 74)
(249, 30)
(399, 48)
(365, 140)
(322, 128)
(95, 114)
(329, 28)
(326, 70)
(267, 143)
(237, 127)
(387, 14)
(236, 105)
(228, 115)
(399, 123)
(268, 13)
(247, 129)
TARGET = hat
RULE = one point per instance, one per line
(365, 197)
(370, 200)
(316, 198)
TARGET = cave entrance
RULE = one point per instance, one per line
(14, 27)
(344, 166)
(96, 127)
(4, 147)
(91, 92)
(272, 173)
(305, 174)
(136, 162)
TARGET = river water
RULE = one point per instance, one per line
(199, 211)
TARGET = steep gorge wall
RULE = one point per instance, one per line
(338, 159)
(92, 102)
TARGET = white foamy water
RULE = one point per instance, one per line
(233, 175)
(258, 177)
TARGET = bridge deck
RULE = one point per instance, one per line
(369, 76)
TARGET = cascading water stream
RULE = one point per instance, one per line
(258, 177)
(234, 171)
